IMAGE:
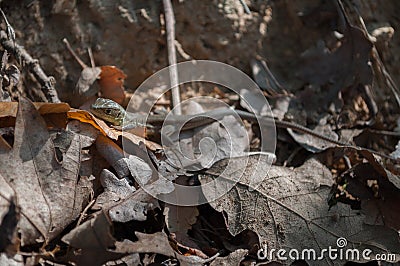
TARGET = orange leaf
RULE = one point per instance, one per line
(54, 113)
(86, 117)
(112, 83)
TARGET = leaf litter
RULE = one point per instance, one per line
(67, 185)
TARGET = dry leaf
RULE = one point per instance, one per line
(147, 243)
(342, 68)
(87, 132)
(201, 147)
(265, 79)
(156, 243)
(290, 210)
(17, 260)
(378, 190)
(112, 83)
(115, 190)
(233, 258)
(179, 219)
(54, 113)
(94, 234)
(314, 144)
(92, 241)
(84, 86)
(134, 207)
(48, 191)
(87, 117)
(11, 108)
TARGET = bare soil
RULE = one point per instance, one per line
(131, 35)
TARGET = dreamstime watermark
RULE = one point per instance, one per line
(209, 149)
(340, 252)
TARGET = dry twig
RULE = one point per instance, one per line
(173, 71)
(245, 7)
(80, 62)
(34, 67)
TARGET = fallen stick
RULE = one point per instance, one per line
(34, 67)
(173, 71)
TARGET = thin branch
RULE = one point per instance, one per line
(245, 7)
(80, 62)
(10, 30)
(181, 52)
(4, 60)
(90, 52)
(212, 258)
(173, 71)
(90, 204)
(47, 82)
(379, 64)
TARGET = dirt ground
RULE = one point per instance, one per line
(131, 35)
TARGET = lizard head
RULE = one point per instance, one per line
(109, 111)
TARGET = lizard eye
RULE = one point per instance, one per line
(107, 111)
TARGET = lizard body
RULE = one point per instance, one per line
(112, 112)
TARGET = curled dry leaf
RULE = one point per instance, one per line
(115, 190)
(378, 194)
(131, 259)
(396, 152)
(378, 190)
(93, 239)
(92, 234)
(48, 191)
(55, 111)
(110, 80)
(252, 102)
(84, 86)
(339, 69)
(87, 117)
(87, 132)
(179, 219)
(265, 79)
(123, 165)
(112, 83)
(136, 206)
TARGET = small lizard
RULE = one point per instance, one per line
(115, 114)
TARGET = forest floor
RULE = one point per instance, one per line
(77, 189)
